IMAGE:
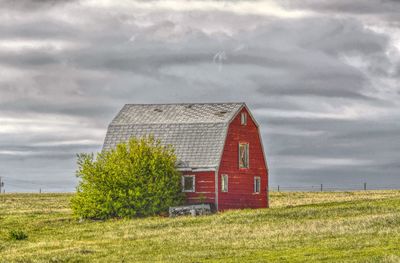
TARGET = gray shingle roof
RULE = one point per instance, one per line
(196, 131)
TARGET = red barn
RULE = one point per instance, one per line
(218, 145)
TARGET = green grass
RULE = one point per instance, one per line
(299, 227)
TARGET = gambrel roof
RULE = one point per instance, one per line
(197, 131)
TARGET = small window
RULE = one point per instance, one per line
(257, 184)
(224, 183)
(243, 118)
(243, 155)
(188, 183)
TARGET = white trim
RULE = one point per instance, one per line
(222, 183)
(189, 169)
(265, 163)
(193, 190)
(184, 169)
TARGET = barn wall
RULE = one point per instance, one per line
(204, 186)
(241, 181)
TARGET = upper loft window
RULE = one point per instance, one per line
(188, 183)
(243, 118)
(243, 155)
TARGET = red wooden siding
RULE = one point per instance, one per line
(204, 186)
(241, 180)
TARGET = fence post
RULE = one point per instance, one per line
(365, 186)
(278, 188)
(2, 185)
(40, 190)
(321, 187)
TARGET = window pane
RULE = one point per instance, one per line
(246, 147)
(188, 183)
(257, 184)
(243, 118)
(224, 183)
(243, 155)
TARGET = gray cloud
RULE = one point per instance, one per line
(372, 7)
(28, 5)
(323, 87)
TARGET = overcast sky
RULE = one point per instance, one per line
(321, 78)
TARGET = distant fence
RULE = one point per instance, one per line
(20, 185)
(14, 185)
(329, 188)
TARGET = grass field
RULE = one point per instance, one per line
(299, 227)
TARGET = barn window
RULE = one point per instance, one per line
(188, 183)
(243, 155)
(224, 183)
(243, 118)
(257, 184)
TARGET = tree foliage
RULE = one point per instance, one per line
(137, 178)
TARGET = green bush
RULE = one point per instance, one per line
(17, 235)
(138, 178)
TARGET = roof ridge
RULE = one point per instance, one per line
(171, 123)
(158, 114)
(185, 103)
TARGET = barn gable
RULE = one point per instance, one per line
(197, 131)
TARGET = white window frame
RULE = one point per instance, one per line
(247, 152)
(257, 178)
(243, 118)
(194, 184)
(224, 189)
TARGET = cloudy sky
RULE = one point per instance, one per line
(321, 77)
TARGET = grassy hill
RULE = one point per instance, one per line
(299, 227)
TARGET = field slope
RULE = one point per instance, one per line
(299, 227)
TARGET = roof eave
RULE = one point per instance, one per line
(197, 169)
